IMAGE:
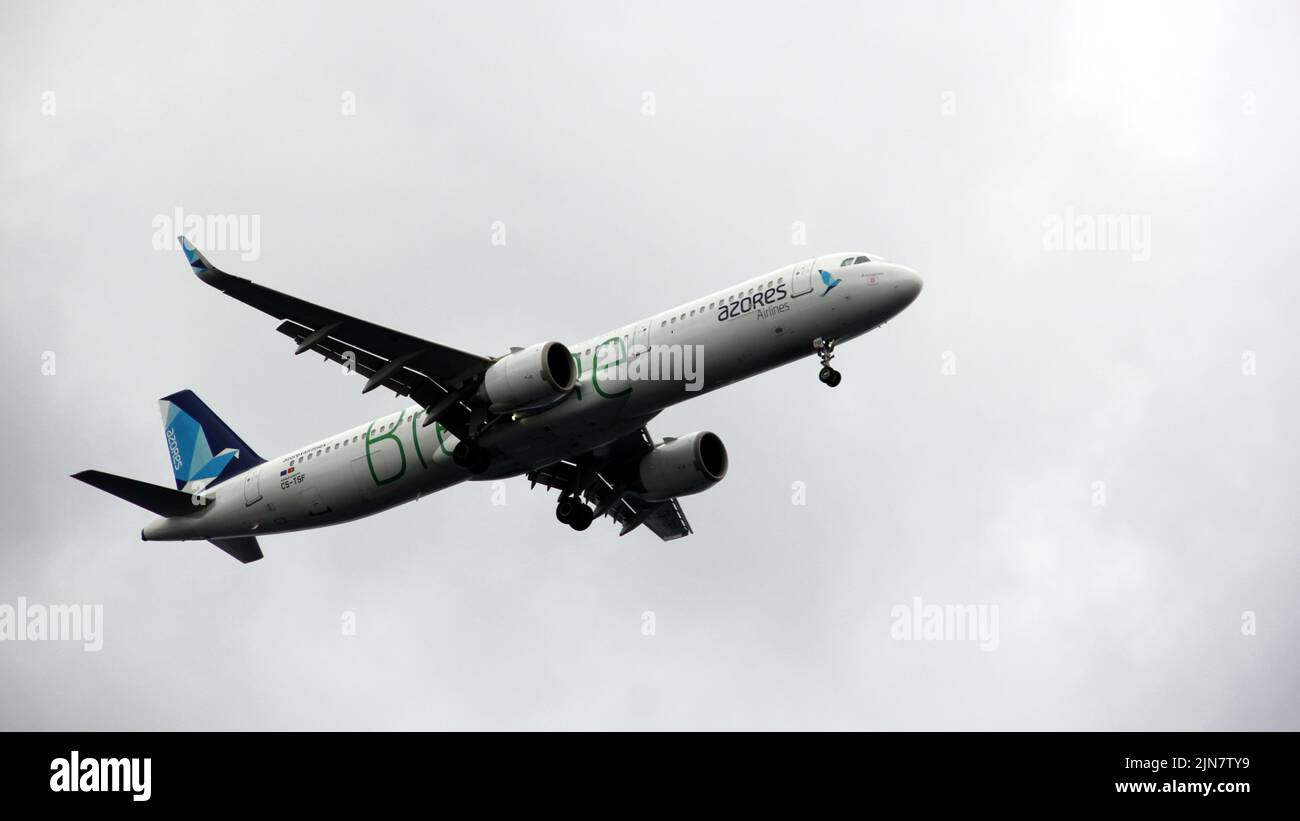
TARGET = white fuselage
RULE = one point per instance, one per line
(770, 320)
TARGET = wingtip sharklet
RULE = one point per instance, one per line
(194, 256)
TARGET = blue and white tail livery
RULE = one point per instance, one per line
(202, 448)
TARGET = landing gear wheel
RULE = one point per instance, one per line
(565, 509)
(829, 376)
(825, 349)
(581, 517)
(471, 457)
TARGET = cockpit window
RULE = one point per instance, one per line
(847, 261)
(860, 260)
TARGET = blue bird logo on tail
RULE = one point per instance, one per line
(828, 281)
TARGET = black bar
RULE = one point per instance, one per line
(332, 770)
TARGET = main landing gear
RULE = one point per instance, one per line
(825, 349)
(572, 512)
(471, 456)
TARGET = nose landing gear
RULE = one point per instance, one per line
(825, 349)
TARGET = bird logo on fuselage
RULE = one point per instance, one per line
(828, 281)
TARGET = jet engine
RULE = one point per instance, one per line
(680, 467)
(529, 378)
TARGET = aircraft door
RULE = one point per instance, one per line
(640, 340)
(801, 282)
(252, 491)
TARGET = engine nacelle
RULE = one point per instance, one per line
(529, 378)
(680, 467)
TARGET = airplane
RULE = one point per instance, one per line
(569, 417)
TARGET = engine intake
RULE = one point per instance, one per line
(680, 467)
(529, 378)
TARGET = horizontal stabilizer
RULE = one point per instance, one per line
(244, 548)
(161, 500)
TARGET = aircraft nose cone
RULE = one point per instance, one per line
(909, 285)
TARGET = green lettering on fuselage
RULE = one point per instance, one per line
(415, 439)
(392, 434)
(595, 357)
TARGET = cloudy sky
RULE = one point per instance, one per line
(1093, 440)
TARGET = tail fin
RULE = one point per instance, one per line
(161, 500)
(203, 449)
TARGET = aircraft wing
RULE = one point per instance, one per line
(595, 477)
(429, 373)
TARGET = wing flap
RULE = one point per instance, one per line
(668, 521)
(404, 380)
